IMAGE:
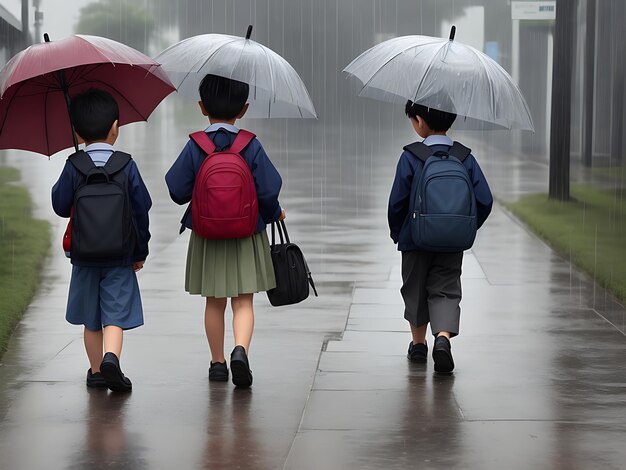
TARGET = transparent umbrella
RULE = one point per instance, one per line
(276, 90)
(442, 74)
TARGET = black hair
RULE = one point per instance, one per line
(223, 98)
(439, 121)
(93, 112)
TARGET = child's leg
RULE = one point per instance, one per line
(243, 319)
(419, 333)
(93, 346)
(113, 337)
(214, 327)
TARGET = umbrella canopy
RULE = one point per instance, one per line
(35, 86)
(442, 74)
(276, 90)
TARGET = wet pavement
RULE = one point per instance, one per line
(540, 379)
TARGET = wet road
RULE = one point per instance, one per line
(540, 379)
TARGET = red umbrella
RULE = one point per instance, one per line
(36, 86)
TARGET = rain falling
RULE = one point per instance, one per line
(540, 369)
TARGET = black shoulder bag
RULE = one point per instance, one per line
(292, 273)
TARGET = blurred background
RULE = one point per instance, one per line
(563, 392)
(338, 170)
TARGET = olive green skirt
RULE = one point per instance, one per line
(227, 268)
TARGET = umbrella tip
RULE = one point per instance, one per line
(46, 38)
(452, 32)
(249, 32)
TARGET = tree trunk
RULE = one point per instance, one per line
(560, 122)
(588, 84)
(617, 108)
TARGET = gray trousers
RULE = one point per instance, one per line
(431, 289)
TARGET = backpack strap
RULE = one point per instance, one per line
(420, 150)
(459, 151)
(82, 162)
(242, 140)
(203, 141)
(423, 151)
(116, 162)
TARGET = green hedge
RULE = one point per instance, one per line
(590, 230)
(24, 243)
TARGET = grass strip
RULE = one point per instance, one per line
(24, 244)
(590, 230)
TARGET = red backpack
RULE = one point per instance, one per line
(224, 203)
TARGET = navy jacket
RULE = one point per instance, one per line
(408, 167)
(181, 176)
(63, 199)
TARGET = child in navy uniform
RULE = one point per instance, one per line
(431, 281)
(104, 296)
(232, 268)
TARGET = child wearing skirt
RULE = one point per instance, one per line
(232, 268)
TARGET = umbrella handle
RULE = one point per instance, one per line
(68, 101)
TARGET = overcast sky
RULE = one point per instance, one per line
(59, 16)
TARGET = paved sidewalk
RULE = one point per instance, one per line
(540, 379)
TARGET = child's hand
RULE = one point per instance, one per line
(283, 215)
(137, 265)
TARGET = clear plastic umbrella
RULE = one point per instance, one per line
(276, 90)
(442, 74)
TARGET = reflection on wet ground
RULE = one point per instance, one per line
(540, 379)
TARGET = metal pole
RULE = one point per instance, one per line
(25, 24)
(38, 19)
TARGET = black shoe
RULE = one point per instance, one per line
(113, 376)
(218, 372)
(95, 380)
(417, 352)
(442, 355)
(242, 375)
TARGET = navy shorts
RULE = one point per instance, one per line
(102, 297)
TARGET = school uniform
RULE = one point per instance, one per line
(106, 292)
(431, 281)
(227, 268)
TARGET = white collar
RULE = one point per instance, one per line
(99, 147)
(437, 140)
(222, 125)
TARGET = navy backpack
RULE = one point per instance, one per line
(442, 211)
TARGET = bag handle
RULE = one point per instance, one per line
(282, 232)
(282, 228)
